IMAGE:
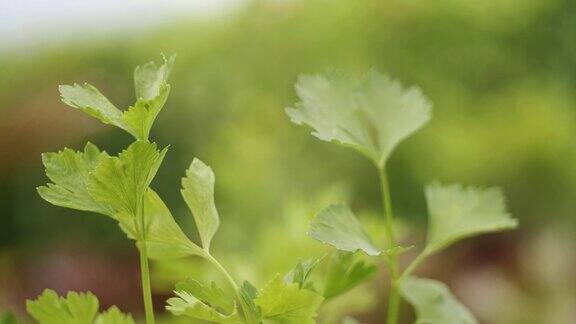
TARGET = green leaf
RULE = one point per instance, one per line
(285, 303)
(372, 115)
(248, 294)
(198, 192)
(337, 225)
(69, 171)
(152, 91)
(164, 238)
(434, 303)
(457, 213)
(88, 99)
(140, 117)
(114, 316)
(150, 78)
(188, 305)
(121, 181)
(345, 271)
(76, 308)
(300, 273)
(211, 295)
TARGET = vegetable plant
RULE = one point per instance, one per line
(373, 115)
(119, 187)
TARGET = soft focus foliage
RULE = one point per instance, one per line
(457, 213)
(500, 74)
(76, 308)
(434, 303)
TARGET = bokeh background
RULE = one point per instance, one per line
(501, 75)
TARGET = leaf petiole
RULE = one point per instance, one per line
(247, 314)
(392, 262)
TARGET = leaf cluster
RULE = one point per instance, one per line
(373, 115)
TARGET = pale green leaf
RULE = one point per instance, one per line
(188, 305)
(345, 271)
(76, 308)
(198, 192)
(121, 181)
(457, 213)
(88, 99)
(285, 303)
(372, 114)
(434, 303)
(211, 294)
(301, 272)
(114, 316)
(152, 91)
(248, 294)
(338, 226)
(164, 238)
(150, 78)
(69, 171)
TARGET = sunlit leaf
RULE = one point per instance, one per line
(121, 181)
(114, 316)
(88, 99)
(76, 308)
(140, 117)
(345, 271)
(338, 226)
(457, 213)
(164, 238)
(285, 303)
(211, 294)
(150, 78)
(372, 114)
(434, 303)
(69, 171)
(188, 305)
(198, 192)
(152, 89)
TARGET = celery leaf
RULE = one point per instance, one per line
(372, 115)
(287, 303)
(338, 226)
(434, 303)
(198, 192)
(457, 213)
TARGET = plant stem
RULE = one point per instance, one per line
(144, 268)
(146, 291)
(223, 271)
(247, 314)
(392, 262)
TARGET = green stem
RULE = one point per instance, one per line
(146, 290)
(144, 268)
(245, 310)
(392, 262)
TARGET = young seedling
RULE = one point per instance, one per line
(373, 115)
(119, 187)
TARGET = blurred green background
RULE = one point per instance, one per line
(501, 75)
